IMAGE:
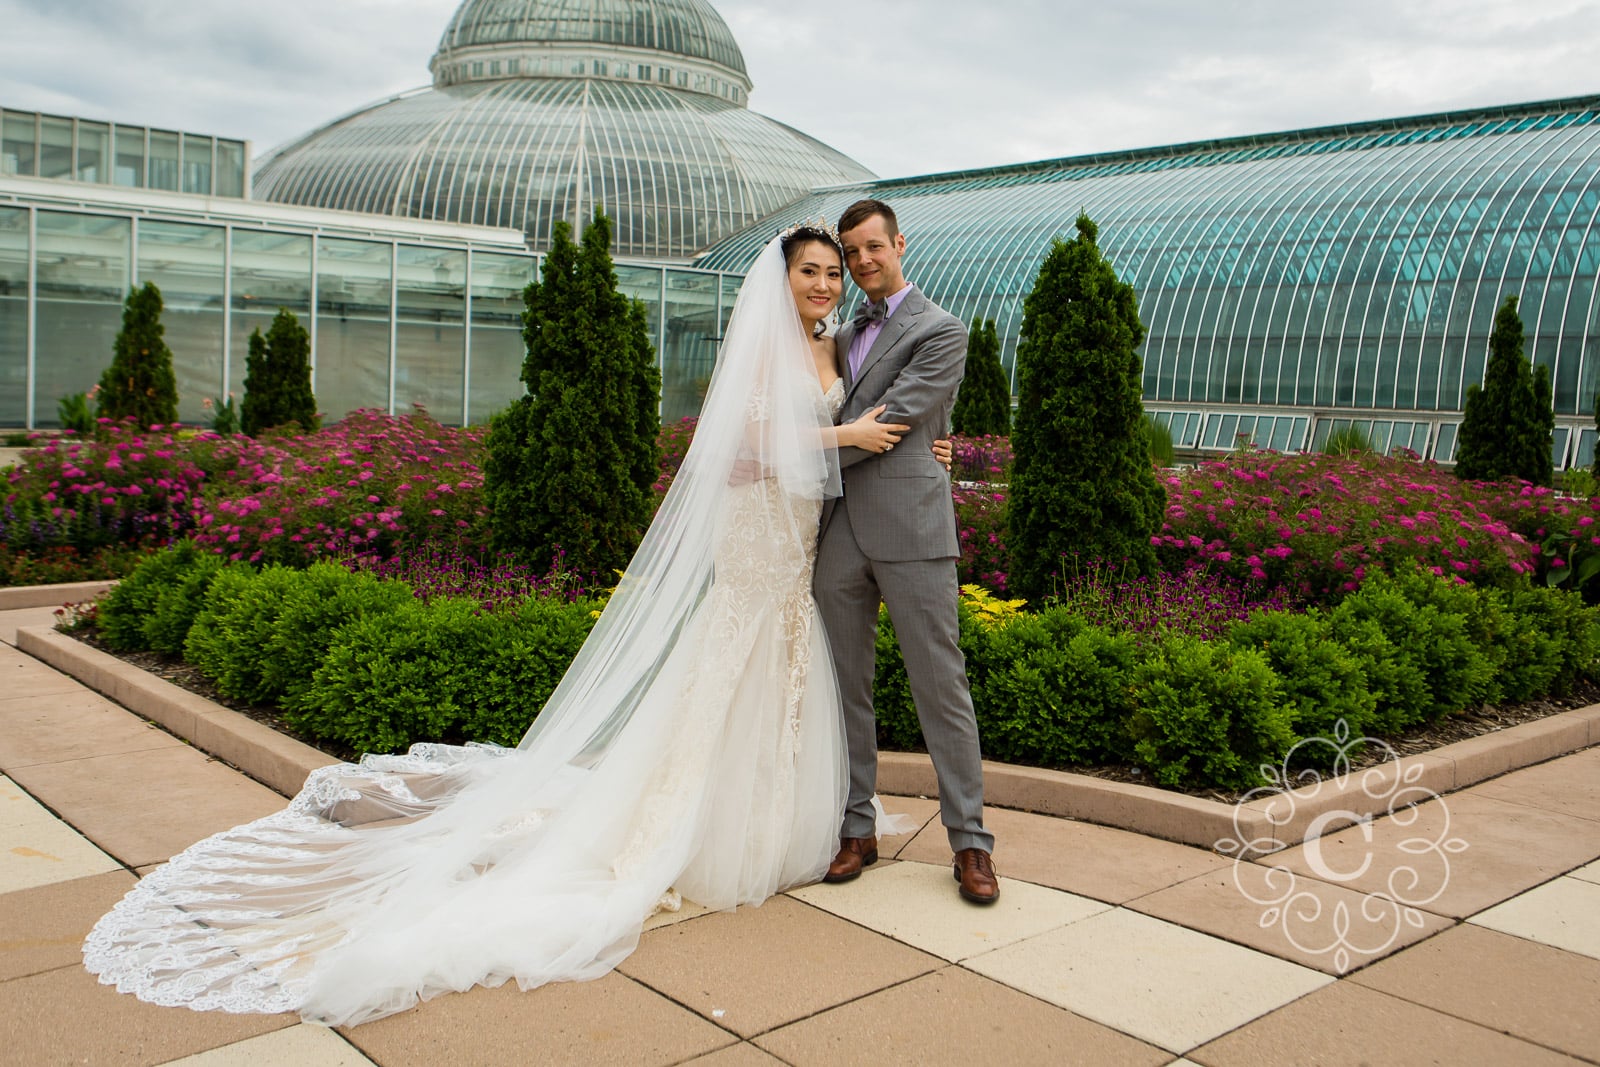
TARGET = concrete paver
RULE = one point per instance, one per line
(43, 928)
(1589, 873)
(777, 963)
(36, 848)
(974, 1020)
(917, 903)
(294, 1046)
(71, 726)
(1528, 990)
(1564, 914)
(1155, 980)
(1307, 921)
(1570, 786)
(1348, 1025)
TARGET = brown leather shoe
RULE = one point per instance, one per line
(854, 854)
(974, 869)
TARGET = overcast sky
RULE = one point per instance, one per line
(904, 86)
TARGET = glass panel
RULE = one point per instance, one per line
(731, 283)
(1585, 454)
(186, 263)
(431, 337)
(1444, 447)
(230, 168)
(17, 134)
(352, 326)
(55, 148)
(1558, 446)
(690, 346)
(130, 159)
(497, 349)
(270, 271)
(196, 164)
(163, 160)
(83, 280)
(644, 284)
(94, 152)
(13, 316)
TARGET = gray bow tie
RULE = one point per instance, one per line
(869, 313)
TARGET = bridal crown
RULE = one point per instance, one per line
(819, 225)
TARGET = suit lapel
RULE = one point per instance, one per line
(841, 352)
(896, 328)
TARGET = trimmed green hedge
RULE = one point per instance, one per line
(359, 660)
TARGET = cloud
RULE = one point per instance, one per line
(904, 86)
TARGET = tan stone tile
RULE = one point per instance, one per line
(144, 807)
(36, 848)
(1347, 1025)
(1569, 785)
(612, 1020)
(293, 1046)
(42, 929)
(922, 809)
(20, 618)
(1525, 989)
(1156, 981)
(1589, 872)
(759, 968)
(71, 726)
(23, 676)
(1301, 919)
(1564, 914)
(1093, 861)
(1509, 848)
(686, 911)
(947, 1017)
(66, 1016)
(917, 903)
(744, 1054)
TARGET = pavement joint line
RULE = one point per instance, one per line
(1141, 809)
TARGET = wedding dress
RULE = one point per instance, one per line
(694, 748)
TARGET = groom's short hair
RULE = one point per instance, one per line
(862, 210)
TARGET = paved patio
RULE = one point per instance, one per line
(1107, 946)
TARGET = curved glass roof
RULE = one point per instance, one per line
(676, 170)
(1347, 267)
(690, 28)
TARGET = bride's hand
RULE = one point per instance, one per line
(868, 433)
(944, 453)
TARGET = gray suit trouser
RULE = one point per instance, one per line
(921, 596)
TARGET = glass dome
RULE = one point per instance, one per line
(545, 110)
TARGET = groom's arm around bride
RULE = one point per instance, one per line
(891, 537)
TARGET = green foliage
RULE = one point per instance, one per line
(1322, 681)
(1082, 482)
(1162, 451)
(1346, 440)
(1507, 424)
(441, 670)
(1059, 691)
(322, 598)
(128, 614)
(277, 382)
(75, 414)
(983, 404)
(140, 383)
(228, 642)
(1561, 643)
(1208, 714)
(570, 466)
(225, 420)
(1579, 481)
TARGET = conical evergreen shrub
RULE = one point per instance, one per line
(983, 406)
(570, 465)
(1508, 421)
(1082, 482)
(140, 383)
(277, 380)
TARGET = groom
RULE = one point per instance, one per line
(891, 537)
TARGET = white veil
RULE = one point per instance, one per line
(406, 876)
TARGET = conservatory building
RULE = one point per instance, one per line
(1296, 283)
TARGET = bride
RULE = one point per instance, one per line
(694, 747)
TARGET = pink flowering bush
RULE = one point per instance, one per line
(673, 443)
(126, 487)
(1196, 602)
(370, 486)
(981, 528)
(1316, 525)
(980, 459)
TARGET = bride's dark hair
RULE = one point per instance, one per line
(797, 237)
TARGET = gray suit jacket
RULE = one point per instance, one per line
(898, 502)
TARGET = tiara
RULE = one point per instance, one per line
(819, 225)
